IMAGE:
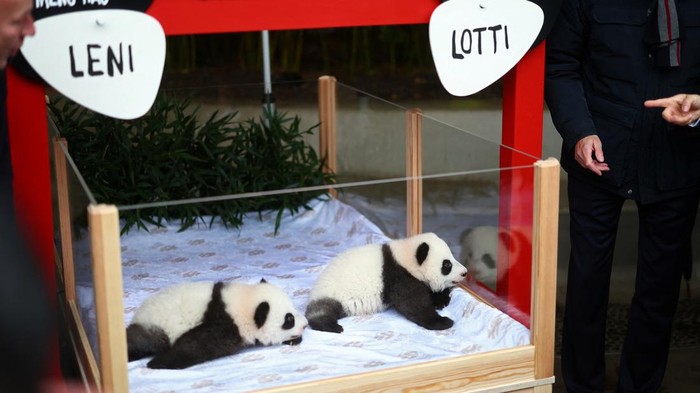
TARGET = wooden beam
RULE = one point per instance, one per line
(544, 268)
(414, 171)
(109, 297)
(65, 222)
(327, 108)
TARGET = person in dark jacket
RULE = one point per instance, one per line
(604, 59)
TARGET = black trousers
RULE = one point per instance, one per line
(663, 242)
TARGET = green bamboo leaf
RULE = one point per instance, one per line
(168, 154)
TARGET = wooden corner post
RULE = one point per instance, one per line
(326, 112)
(544, 265)
(66, 270)
(109, 297)
(414, 171)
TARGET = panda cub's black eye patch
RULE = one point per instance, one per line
(489, 261)
(288, 321)
(446, 267)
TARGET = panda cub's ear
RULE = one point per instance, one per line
(422, 252)
(261, 314)
(464, 234)
(263, 280)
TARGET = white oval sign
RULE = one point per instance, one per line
(475, 42)
(110, 61)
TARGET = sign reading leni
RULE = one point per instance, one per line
(475, 42)
(110, 61)
(95, 55)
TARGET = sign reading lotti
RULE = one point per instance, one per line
(475, 42)
(108, 60)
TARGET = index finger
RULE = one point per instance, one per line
(658, 103)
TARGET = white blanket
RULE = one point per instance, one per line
(292, 259)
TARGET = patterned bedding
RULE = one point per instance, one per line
(292, 259)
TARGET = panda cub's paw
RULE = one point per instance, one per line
(441, 299)
(440, 323)
(294, 341)
(323, 314)
(326, 326)
(166, 361)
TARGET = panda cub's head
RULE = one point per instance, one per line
(428, 258)
(275, 319)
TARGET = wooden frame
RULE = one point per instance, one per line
(414, 170)
(524, 369)
(523, 103)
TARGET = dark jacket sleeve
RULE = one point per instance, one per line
(564, 91)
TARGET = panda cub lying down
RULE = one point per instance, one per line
(414, 275)
(192, 323)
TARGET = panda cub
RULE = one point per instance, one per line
(414, 275)
(195, 322)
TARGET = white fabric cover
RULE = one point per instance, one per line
(292, 259)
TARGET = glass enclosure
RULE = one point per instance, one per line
(218, 157)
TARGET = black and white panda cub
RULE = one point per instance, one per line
(414, 275)
(191, 323)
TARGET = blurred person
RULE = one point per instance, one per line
(26, 318)
(604, 60)
(16, 22)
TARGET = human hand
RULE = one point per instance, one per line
(589, 154)
(681, 109)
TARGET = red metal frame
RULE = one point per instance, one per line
(522, 104)
(523, 111)
(218, 16)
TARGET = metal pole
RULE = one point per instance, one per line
(268, 99)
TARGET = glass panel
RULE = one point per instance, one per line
(478, 194)
(77, 238)
(371, 148)
(202, 217)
